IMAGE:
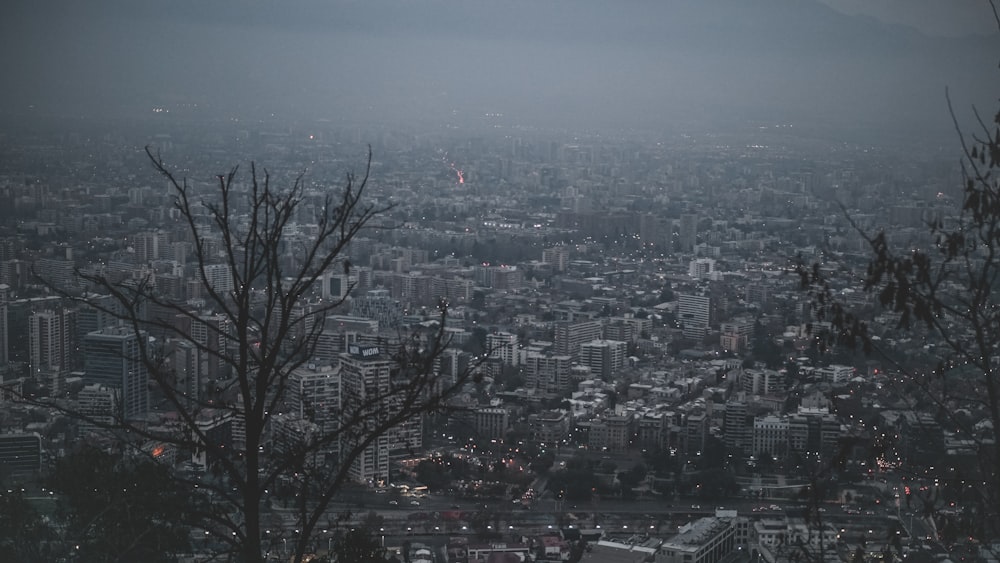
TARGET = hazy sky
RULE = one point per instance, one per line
(576, 63)
(934, 17)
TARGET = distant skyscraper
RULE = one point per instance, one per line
(112, 359)
(51, 343)
(190, 365)
(210, 331)
(687, 232)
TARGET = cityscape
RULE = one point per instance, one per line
(484, 336)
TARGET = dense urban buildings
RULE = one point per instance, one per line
(634, 368)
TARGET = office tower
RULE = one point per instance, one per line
(814, 431)
(219, 277)
(189, 364)
(366, 376)
(736, 427)
(210, 331)
(701, 268)
(112, 358)
(603, 357)
(687, 232)
(696, 432)
(547, 374)
(558, 256)
(763, 382)
(694, 312)
(150, 245)
(491, 422)
(96, 316)
(314, 394)
(51, 335)
(503, 346)
(571, 334)
(57, 273)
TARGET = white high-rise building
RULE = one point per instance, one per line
(366, 379)
(314, 394)
(604, 357)
(694, 313)
(503, 346)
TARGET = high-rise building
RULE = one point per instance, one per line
(219, 277)
(491, 422)
(736, 427)
(112, 358)
(604, 357)
(571, 334)
(210, 332)
(150, 245)
(546, 373)
(97, 405)
(557, 256)
(503, 346)
(687, 232)
(701, 268)
(314, 394)
(366, 377)
(51, 344)
(336, 286)
(190, 366)
(813, 430)
(763, 382)
(770, 436)
(696, 432)
(694, 313)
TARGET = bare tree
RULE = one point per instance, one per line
(947, 293)
(258, 269)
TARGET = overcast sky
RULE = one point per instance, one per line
(576, 63)
(933, 17)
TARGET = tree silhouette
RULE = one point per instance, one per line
(272, 248)
(947, 292)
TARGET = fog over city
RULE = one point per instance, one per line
(676, 63)
(499, 281)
